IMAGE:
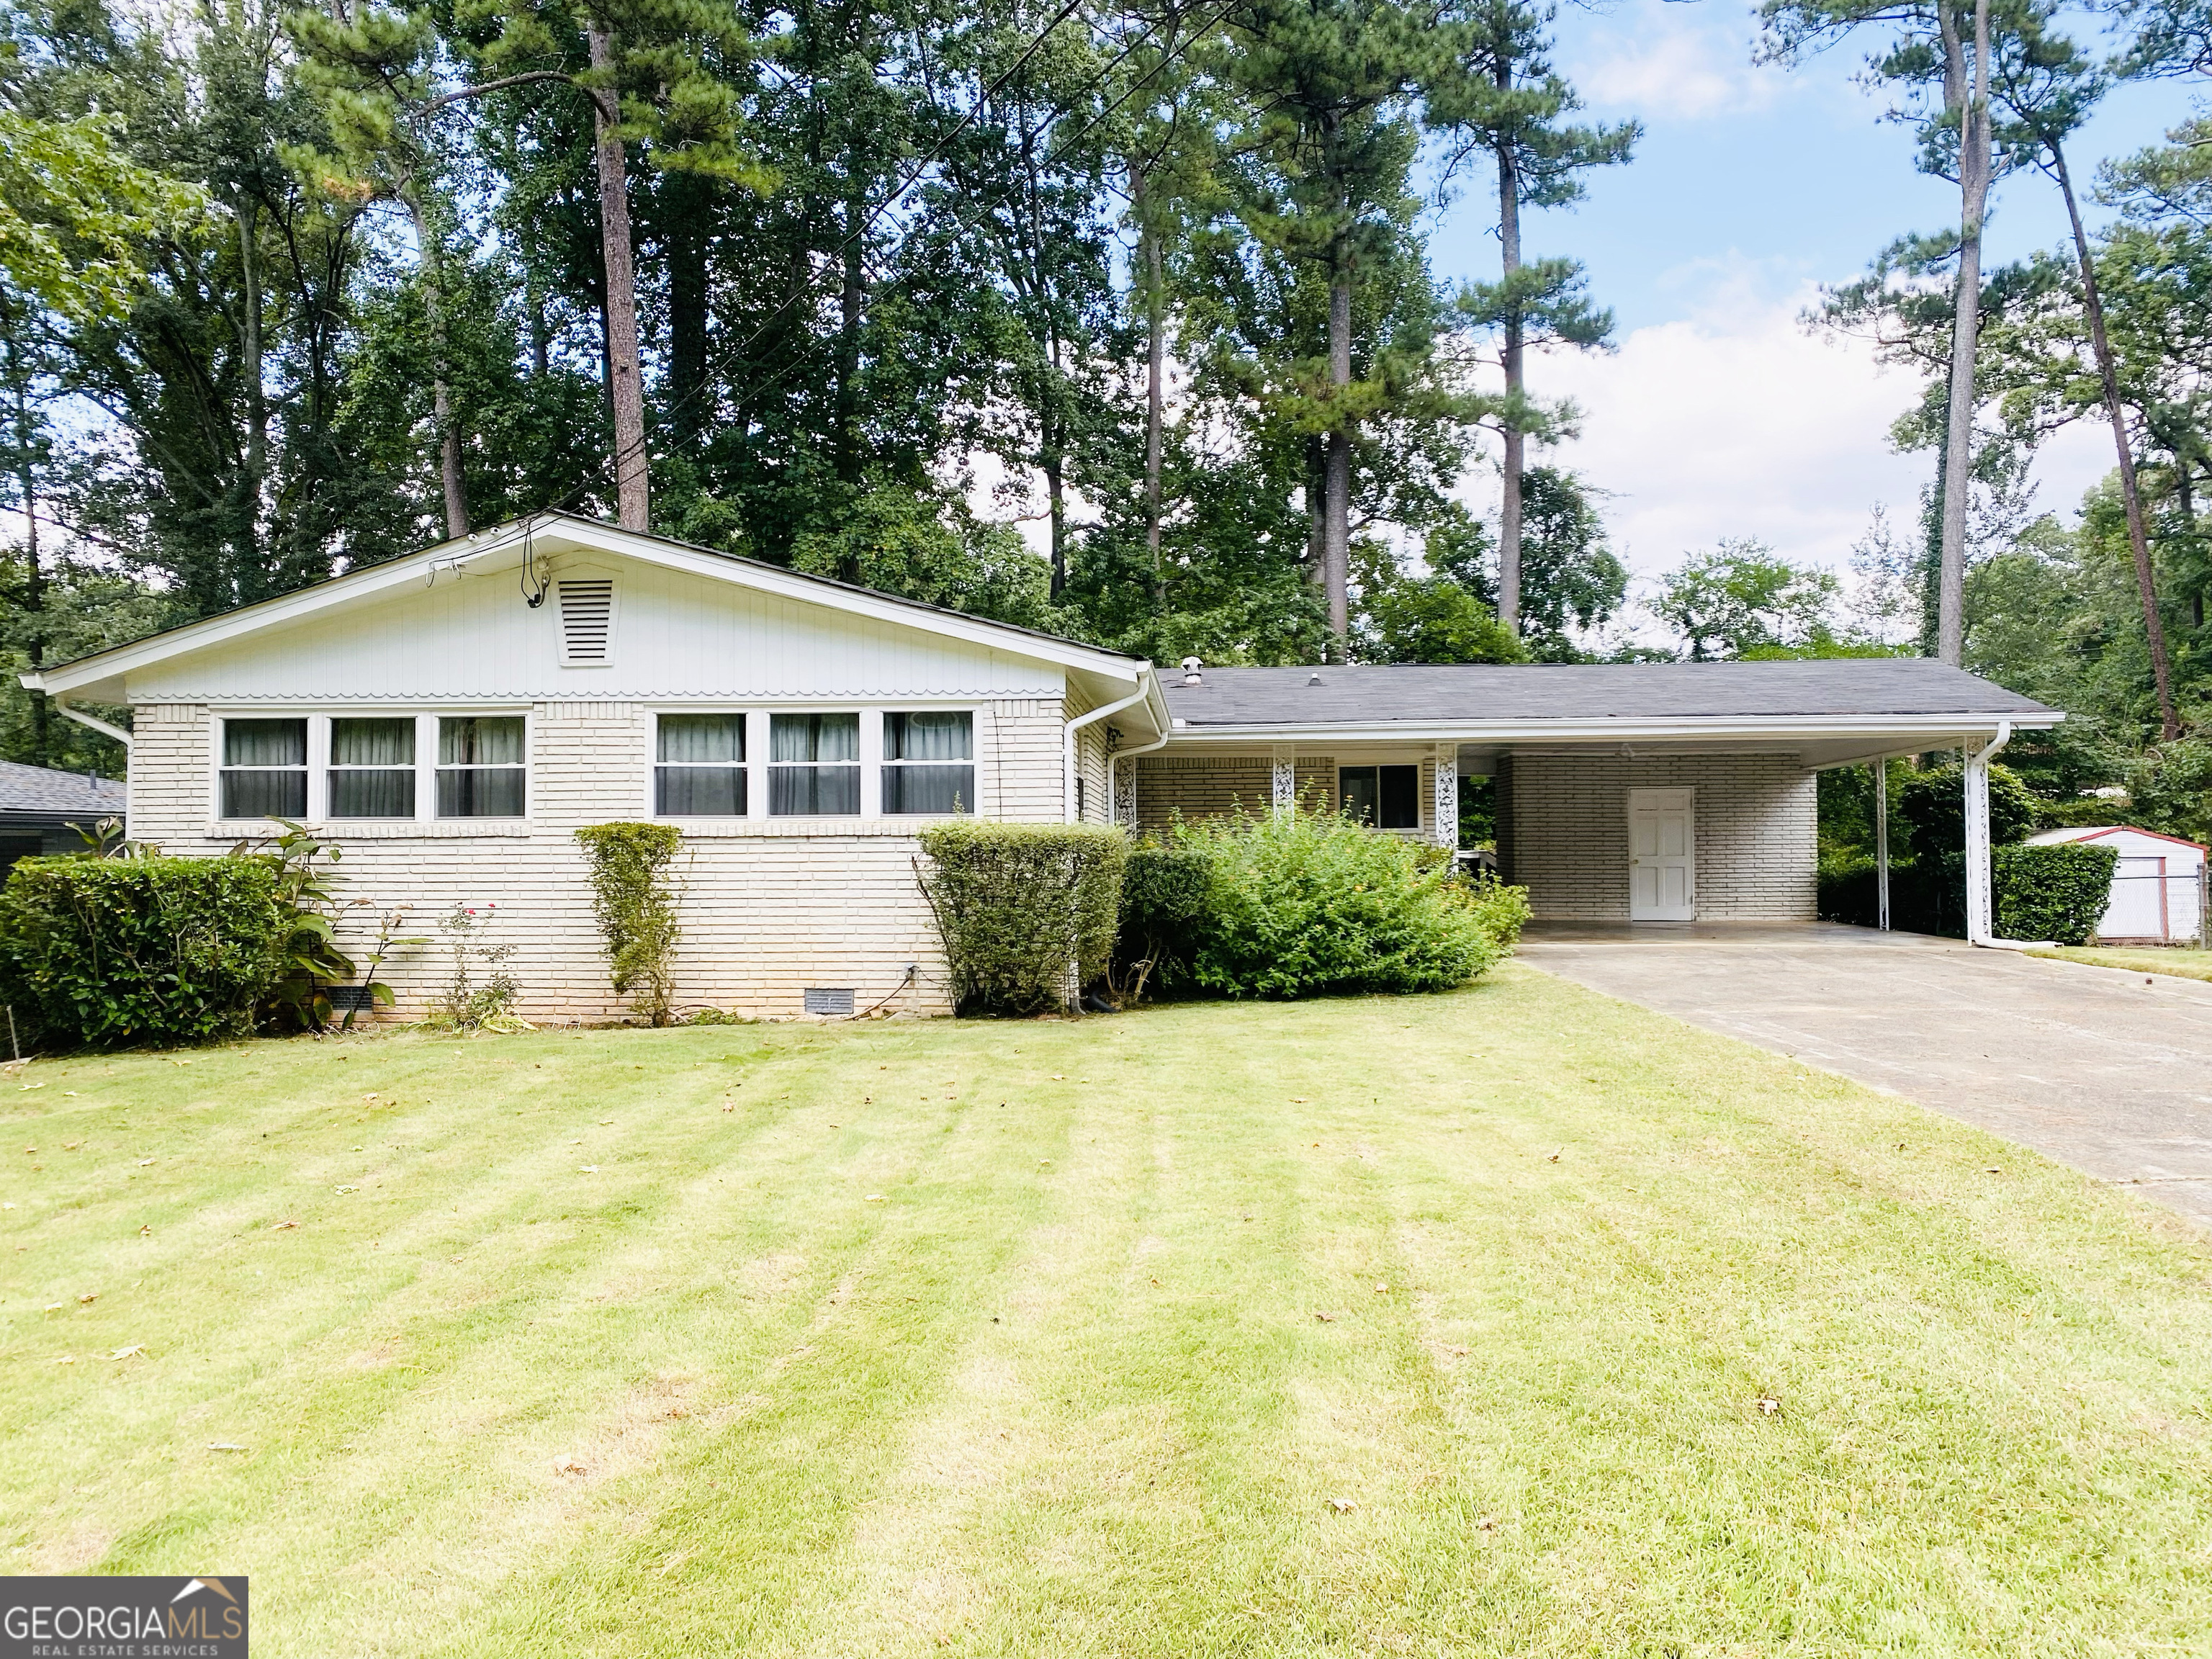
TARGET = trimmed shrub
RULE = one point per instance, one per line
(634, 902)
(1026, 911)
(1933, 806)
(112, 953)
(1306, 903)
(1163, 910)
(2057, 892)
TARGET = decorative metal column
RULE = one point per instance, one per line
(1285, 779)
(1446, 795)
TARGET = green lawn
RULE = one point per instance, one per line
(2188, 964)
(1439, 1326)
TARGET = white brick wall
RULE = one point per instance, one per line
(1755, 827)
(769, 906)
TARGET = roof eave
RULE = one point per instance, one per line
(1621, 729)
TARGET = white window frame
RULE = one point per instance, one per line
(431, 763)
(319, 720)
(216, 768)
(870, 745)
(974, 762)
(754, 726)
(1376, 764)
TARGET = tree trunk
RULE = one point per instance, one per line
(248, 579)
(1515, 460)
(1336, 524)
(2161, 664)
(1148, 237)
(442, 391)
(33, 596)
(850, 299)
(1971, 98)
(689, 201)
(633, 489)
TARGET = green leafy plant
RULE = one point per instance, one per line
(116, 953)
(2058, 892)
(1027, 912)
(1306, 903)
(480, 996)
(387, 941)
(1933, 806)
(1162, 907)
(635, 900)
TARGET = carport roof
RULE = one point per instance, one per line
(1580, 694)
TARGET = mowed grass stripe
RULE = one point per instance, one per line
(1056, 1394)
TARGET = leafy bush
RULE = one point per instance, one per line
(1933, 806)
(112, 952)
(2056, 892)
(636, 903)
(2170, 789)
(1162, 907)
(1026, 911)
(480, 996)
(1304, 903)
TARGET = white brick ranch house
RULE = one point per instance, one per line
(449, 720)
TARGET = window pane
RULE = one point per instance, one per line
(710, 791)
(371, 743)
(697, 738)
(1401, 791)
(495, 793)
(372, 794)
(265, 794)
(1357, 784)
(474, 740)
(264, 743)
(814, 738)
(946, 735)
(930, 788)
(813, 791)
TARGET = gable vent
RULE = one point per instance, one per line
(588, 621)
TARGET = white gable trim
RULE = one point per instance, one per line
(556, 533)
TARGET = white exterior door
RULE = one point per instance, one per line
(1662, 856)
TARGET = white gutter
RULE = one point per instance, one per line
(1067, 757)
(1981, 922)
(33, 683)
(1699, 728)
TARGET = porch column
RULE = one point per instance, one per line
(1285, 775)
(1446, 794)
(1881, 843)
(1980, 910)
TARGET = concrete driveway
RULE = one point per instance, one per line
(2106, 1071)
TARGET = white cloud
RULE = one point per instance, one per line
(1672, 65)
(1733, 421)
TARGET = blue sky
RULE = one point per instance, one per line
(1720, 414)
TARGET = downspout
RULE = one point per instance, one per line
(1881, 843)
(1067, 756)
(1981, 920)
(83, 718)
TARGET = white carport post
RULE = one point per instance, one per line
(1283, 779)
(1980, 929)
(1881, 843)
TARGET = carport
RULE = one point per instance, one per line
(1628, 793)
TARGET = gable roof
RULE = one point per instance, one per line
(2050, 837)
(1580, 693)
(41, 792)
(504, 546)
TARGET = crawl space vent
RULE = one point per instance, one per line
(351, 998)
(821, 1001)
(588, 621)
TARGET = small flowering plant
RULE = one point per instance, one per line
(480, 996)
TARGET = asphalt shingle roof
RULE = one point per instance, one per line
(37, 789)
(1364, 695)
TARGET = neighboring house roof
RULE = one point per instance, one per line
(2048, 837)
(1492, 693)
(99, 676)
(36, 792)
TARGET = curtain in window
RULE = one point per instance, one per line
(814, 738)
(379, 795)
(264, 743)
(929, 789)
(712, 792)
(943, 735)
(271, 794)
(494, 793)
(371, 743)
(702, 740)
(814, 791)
(480, 740)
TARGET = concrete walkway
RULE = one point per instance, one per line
(2108, 1072)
